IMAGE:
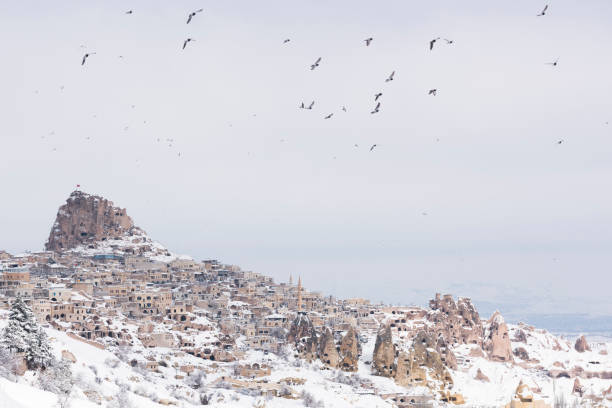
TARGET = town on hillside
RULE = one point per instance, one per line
(205, 332)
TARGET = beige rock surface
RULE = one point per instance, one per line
(87, 218)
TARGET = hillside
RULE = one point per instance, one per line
(143, 325)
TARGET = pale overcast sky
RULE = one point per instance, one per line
(512, 217)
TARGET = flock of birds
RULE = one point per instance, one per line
(368, 42)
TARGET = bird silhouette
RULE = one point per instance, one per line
(316, 64)
(560, 141)
(129, 12)
(376, 109)
(432, 92)
(192, 15)
(187, 41)
(302, 106)
(311, 105)
(372, 148)
(329, 116)
(368, 41)
(543, 12)
(432, 42)
(86, 56)
(376, 96)
(390, 78)
(554, 64)
(449, 42)
(286, 41)
(344, 108)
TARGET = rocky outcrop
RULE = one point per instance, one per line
(384, 353)
(424, 355)
(311, 345)
(521, 353)
(68, 356)
(421, 365)
(520, 336)
(458, 323)
(481, 377)
(497, 340)
(350, 350)
(327, 352)
(303, 336)
(577, 388)
(581, 345)
(87, 218)
(446, 354)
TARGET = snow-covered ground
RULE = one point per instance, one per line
(102, 374)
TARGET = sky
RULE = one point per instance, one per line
(467, 192)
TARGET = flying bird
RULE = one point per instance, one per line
(129, 12)
(560, 141)
(372, 148)
(329, 116)
(376, 96)
(316, 64)
(449, 42)
(86, 56)
(192, 15)
(311, 105)
(543, 12)
(344, 108)
(432, 92)
(368, 41)
(302, 106)
(390, 77)
(286, 41)
(376, 109)
(432, 42)
(554, 64)
(187, 41)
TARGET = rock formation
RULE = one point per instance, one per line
(86, 218)
(481, 377)
(421, 365)
(520, 336)
(458, 323)
(497, 340)
(446, 354)
(577, 388)
(350, 350)
(521, 353)
(384, 353)
(423, 354)
(327, 352)
(303, 336)
(581, 345)
(68, 356)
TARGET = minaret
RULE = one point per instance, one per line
(290, 280)
(299, 299)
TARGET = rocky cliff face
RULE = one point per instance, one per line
(303, 336)
(350, 350)
(327, 349)
(497, 339)
(311, 345)
(582, 345)
(384, 353)
(87, 218)
(458, 322)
